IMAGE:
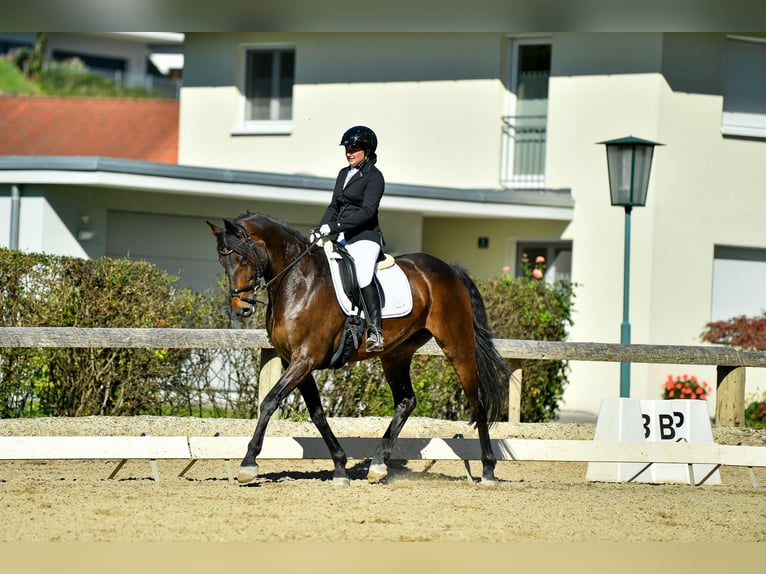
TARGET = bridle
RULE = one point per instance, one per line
(238, 241)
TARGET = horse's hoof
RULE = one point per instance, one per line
(376, 473)
(341, 481)
(247, 473)
(489, 482)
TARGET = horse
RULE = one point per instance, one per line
(304, 323)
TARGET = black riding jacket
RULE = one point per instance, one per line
(354, 210)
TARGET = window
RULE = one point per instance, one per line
(739, 274)
(268, 86)
(744, 88)
(525, 128)
(558, 258)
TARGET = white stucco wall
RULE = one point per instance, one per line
(435, 102)
(704, 190)
(41, 227)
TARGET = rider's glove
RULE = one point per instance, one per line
(318, 232)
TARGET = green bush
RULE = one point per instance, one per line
(528, 308)
(71, 78)
(40, 290)
(47, 291)
(755, 410)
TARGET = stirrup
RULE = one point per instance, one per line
(374, 343)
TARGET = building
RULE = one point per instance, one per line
(153, 60)
(488, 142)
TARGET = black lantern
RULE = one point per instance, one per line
(629, 161)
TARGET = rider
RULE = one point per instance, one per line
(352, 218)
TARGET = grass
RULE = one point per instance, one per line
(12, 81)
(65, 80)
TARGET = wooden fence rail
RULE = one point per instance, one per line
(730, 363)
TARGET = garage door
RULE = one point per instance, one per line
(739, 282)
(181, 245)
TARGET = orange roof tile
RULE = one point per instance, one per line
(142, 129)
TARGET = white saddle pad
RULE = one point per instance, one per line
(396, 287)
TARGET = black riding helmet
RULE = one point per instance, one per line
(361, 137)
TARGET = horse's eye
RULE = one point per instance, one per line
(243, 260)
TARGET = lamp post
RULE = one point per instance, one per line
(629, 161)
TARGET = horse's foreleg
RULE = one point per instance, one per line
(310, 394)
(292, 377)
(397, 371)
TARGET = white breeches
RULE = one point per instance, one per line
(365, 254)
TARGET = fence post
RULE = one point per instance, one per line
(730, 396)
(271, 370)
(514, 391)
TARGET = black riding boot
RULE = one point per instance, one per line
(371, 298)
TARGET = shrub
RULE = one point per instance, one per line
(48, 291)
(755, 410)
(41, 290)
(529, 307)
(748, 333)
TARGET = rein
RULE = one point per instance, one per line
(247, 249)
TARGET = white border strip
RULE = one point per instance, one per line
(223, 448)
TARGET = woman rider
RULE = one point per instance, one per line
(352, 217)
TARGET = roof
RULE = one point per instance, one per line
(553, 204)
(140, 129)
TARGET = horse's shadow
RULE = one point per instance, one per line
(397, 469)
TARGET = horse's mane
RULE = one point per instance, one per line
(263, 220)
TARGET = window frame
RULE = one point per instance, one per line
(736, 123)
(508, 179)
(262, 126)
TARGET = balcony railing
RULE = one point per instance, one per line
(168, 86)
(524, 151)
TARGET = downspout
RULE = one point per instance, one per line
(15, 211)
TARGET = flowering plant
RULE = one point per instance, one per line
(537, 272)
(755, 410)
(685, 387)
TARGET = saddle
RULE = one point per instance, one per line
(353, 329)
(347, 271)
(344, 277)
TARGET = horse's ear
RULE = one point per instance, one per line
(236, 229)
(216, 230)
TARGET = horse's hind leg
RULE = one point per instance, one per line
(396, 367)
(460, 351)
(313, 402)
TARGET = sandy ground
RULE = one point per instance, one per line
(74, 501)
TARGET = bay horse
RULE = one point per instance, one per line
(304, 323)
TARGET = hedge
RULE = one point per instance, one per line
(44, 290)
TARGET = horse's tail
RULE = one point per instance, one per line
(494, 371)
